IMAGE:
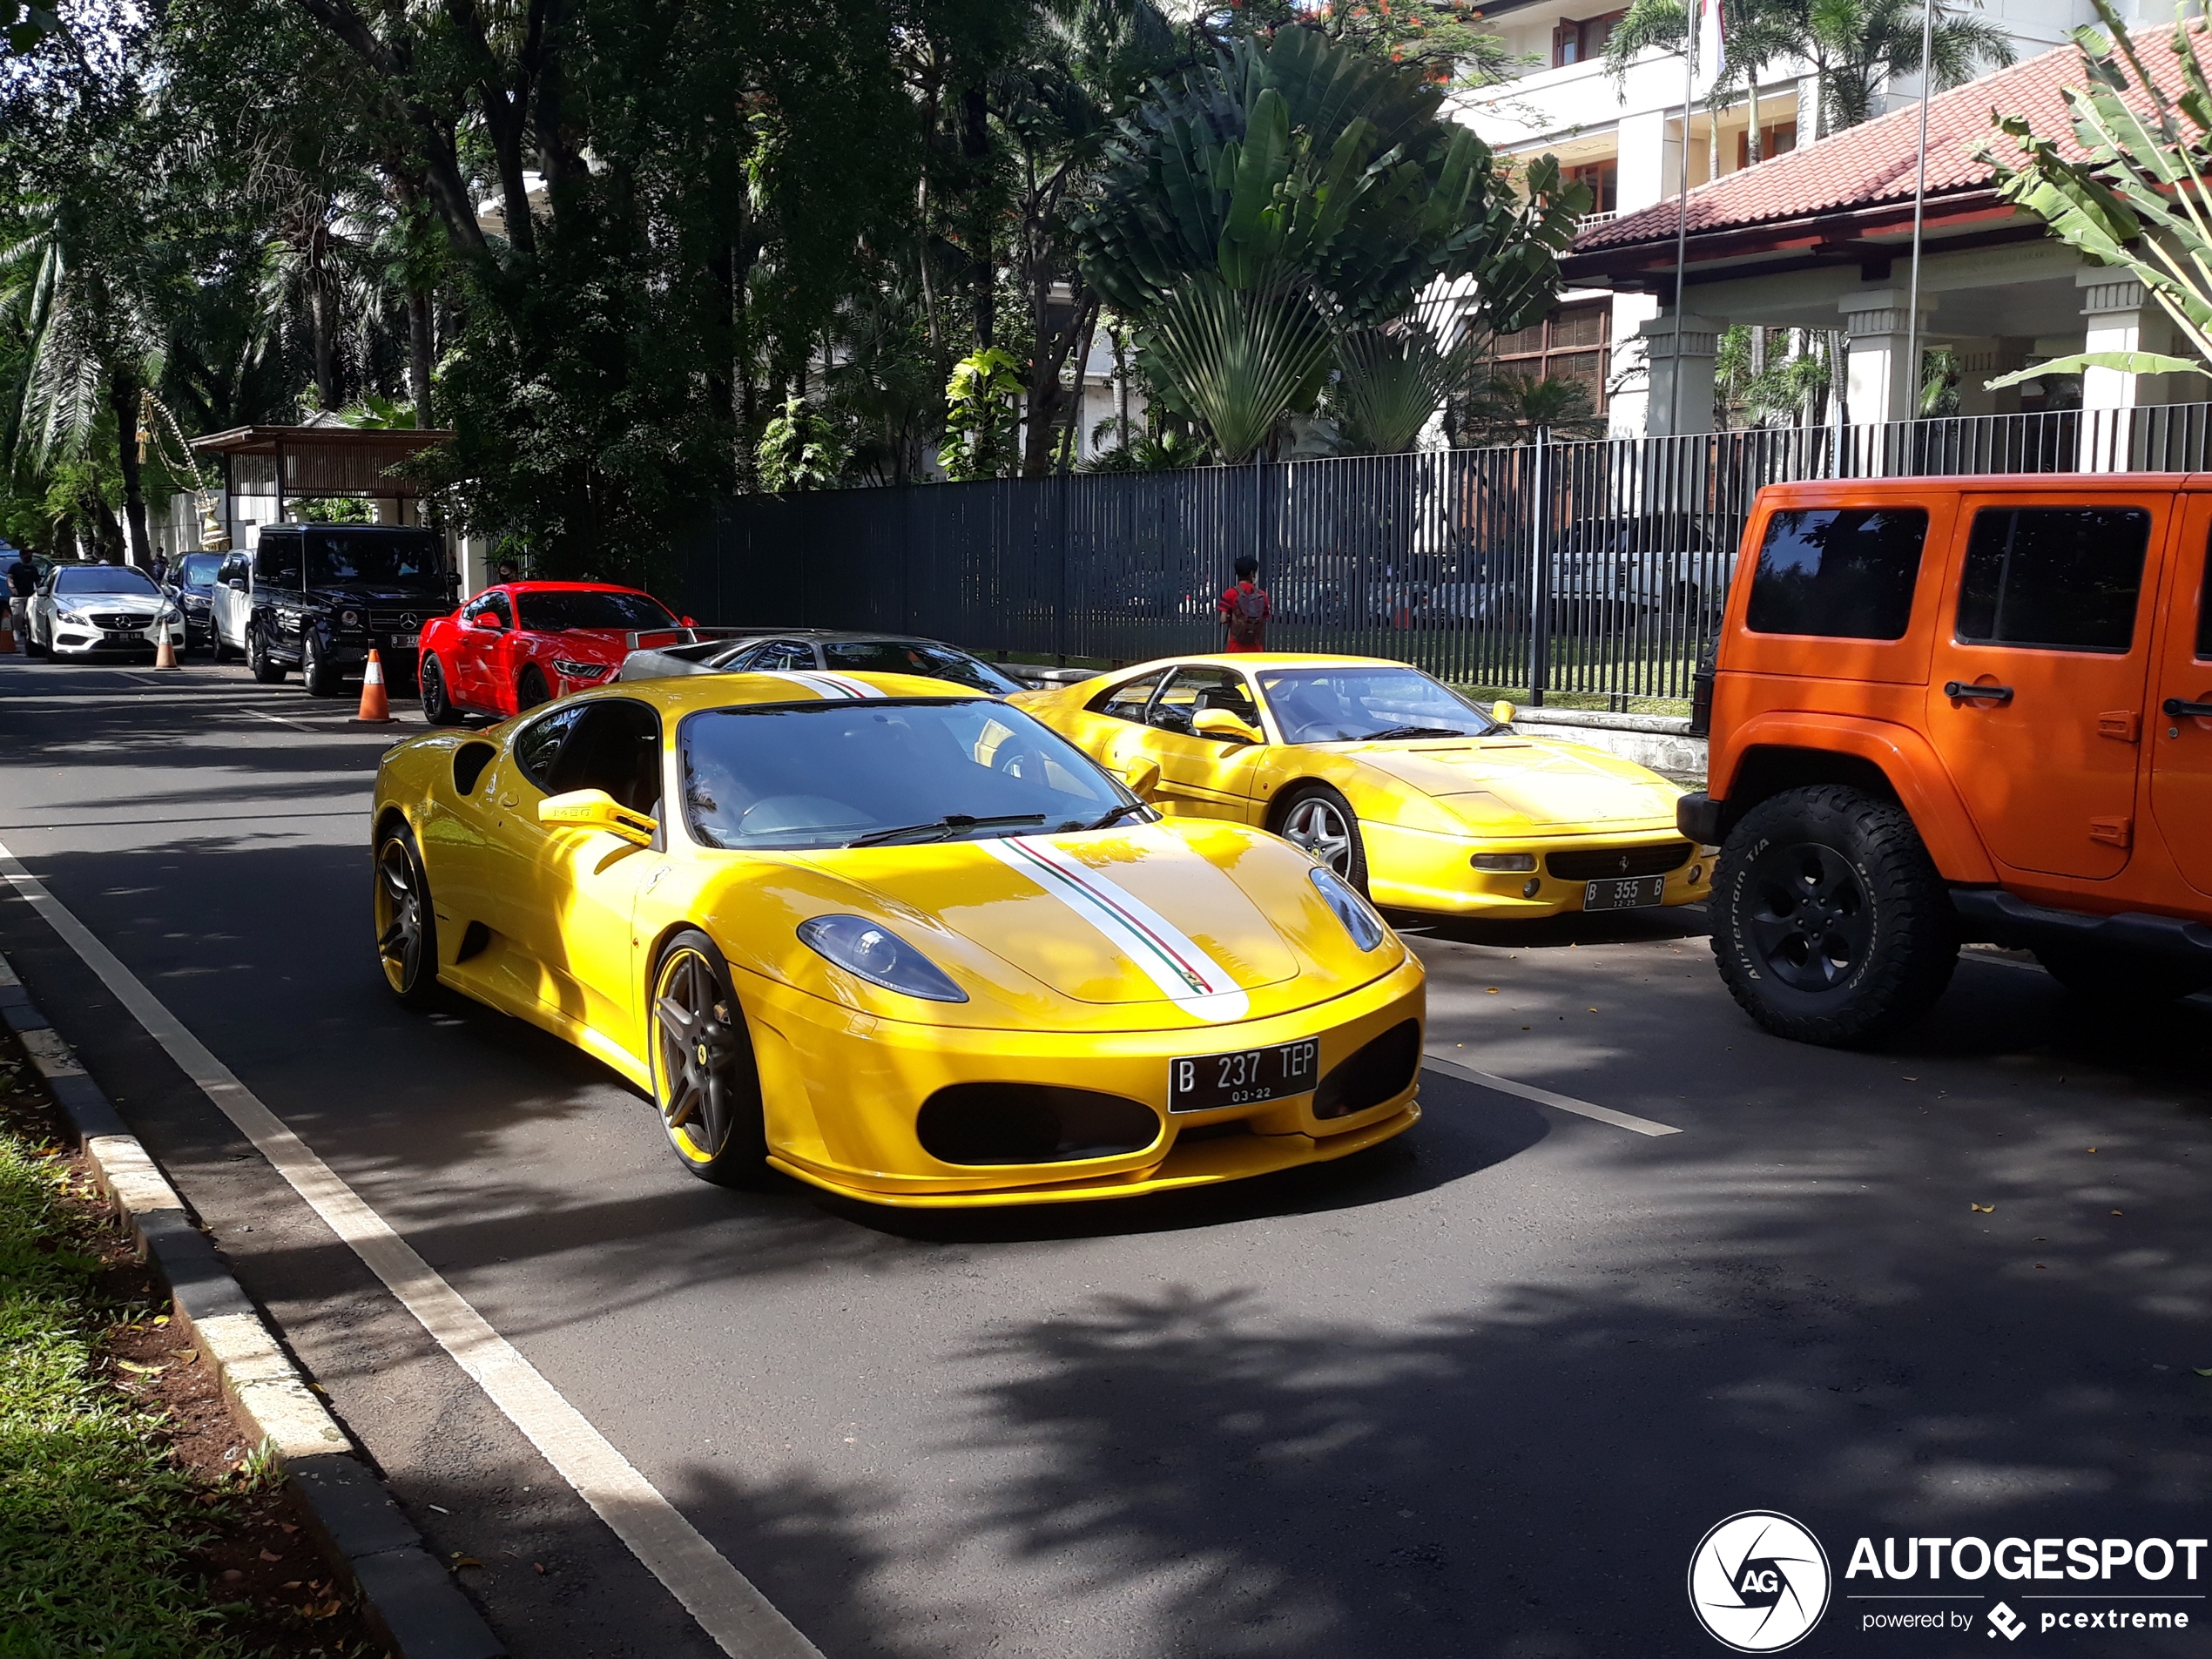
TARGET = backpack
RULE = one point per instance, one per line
(1248, 617)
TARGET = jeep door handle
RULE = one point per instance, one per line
(2178, 706)
(1978, 693)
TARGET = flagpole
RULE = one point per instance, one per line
(1919, 205)
(1681, 210)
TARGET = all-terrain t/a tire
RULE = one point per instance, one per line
(1318, 819)
(266, 669)
(316, 673)
(1830, 922)
(705, 1084)
(2118, 981)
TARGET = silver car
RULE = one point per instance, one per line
(101, 610)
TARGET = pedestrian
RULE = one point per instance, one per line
(160, 568)
(23, 582)
(1245, 608)
(505, 572)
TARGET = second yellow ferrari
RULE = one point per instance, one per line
(1390, 778)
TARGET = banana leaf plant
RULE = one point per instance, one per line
(2136, 199)
(1289, 191)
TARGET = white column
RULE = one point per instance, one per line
(1628, 407)
(2118, 315)
(1882, 384)
(1698, 340)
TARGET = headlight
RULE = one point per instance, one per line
(579, 671)
(1358, 918)
(349, 619)
(168, 613)
(878, 956)
(70, 613)
(1516, 863)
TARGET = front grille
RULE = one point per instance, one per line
(123, 619)
(977, 1124)
(406, 621)
(1378, 1071)
(1597, 863)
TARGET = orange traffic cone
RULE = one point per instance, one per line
(165, 654)
(376, 708)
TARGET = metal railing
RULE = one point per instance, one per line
(1591, 570)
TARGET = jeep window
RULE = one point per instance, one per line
(2204, 610)
(2060, 578)
(336, 559)
(1838, 572)
(1129, 700)
(276, 561)
(562, 609)
(102, 578)
(538, 744)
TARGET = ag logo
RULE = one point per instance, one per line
(1758, 1582)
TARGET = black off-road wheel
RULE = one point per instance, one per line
(2115, 982)
(406, 925)
(266, 669)
(316, 673)
(1318, 820)
(437, 707)
(1830, 923)
(705, 1085)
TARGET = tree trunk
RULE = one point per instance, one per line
(1751, 142)
(420, 353)
(122, 398)
(323, 327)
(975, 146)
(1120, 344)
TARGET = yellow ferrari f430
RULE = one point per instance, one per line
(896, 939)
(1390, 778)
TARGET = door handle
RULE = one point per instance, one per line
(1959, 691)
(2179, 706)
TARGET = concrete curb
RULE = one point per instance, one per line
(408, 1599)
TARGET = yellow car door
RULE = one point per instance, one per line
(1203, 775)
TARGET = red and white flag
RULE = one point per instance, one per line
(1711, 49)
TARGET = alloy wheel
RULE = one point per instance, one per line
(1317, 826)
(698, 1049)
(399, 916)
(1810, 919)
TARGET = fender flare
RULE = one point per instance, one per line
(1902, 756)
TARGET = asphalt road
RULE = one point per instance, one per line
(1480, 1391)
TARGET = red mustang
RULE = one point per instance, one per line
(516, 645)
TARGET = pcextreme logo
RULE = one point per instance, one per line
(1758, 1582)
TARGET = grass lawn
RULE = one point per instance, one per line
(96, 1521)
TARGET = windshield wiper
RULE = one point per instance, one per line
(1395, 732)
(951, 824)
(1115, 814)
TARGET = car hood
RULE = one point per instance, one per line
(1161, 925)
(140, 604)
(1517, 785)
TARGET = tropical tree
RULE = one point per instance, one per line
(2136, 198)
(1287, 192)
(1503, 407)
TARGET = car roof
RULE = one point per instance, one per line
(848, 635)
(350, 530)
(1253, 659)
(565, 587)
(691, 694)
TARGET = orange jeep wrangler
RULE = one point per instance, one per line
(1952, 709)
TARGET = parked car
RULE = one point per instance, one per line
(1645, 564)
(1961, 709)
(893, 938)
(1390, 778)
(319, 597)
(521, 644)
(192, 586)
(826, 651)
(100, 610)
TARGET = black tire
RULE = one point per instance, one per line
(318, 675)
(218, 652)
(437, 707)
(405, 919)
(1319, 821)
(30, 645)
(706, 1087)
(531, 689)
(1830, 923)
(266, 669)
(2118, 981)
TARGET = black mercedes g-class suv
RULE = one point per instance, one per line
(324, 594)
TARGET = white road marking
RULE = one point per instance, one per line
(742, 1622)
(1545, 1097)
(297, 726)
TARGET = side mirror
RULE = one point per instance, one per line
(485, 619)
(1503, 712)
(1142, 777)
(688, 623)
(597, 809)
(1220, 723)
(235, 584)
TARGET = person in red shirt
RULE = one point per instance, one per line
(1245, 609)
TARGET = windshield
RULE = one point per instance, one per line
(825, 774)
(913, 656)
(103, 578)
(553, 613)
(1348, 705)
(199, 569)
(335, 559)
